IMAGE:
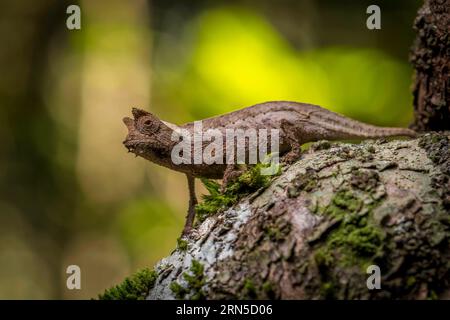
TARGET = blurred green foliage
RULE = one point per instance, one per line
(239, 59)
(69, 192)
(143, 223)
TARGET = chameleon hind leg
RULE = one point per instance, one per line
(292, 140)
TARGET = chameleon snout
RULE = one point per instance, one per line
(129, 123)
(132, 136)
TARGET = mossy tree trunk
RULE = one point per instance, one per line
(318, 226)
(431, 59)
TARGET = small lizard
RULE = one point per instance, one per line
(298, 123)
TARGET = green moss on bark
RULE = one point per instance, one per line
(195, 280)
(248, 182)
(135, 287)
(182, 244)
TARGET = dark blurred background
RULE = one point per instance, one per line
(69, 191)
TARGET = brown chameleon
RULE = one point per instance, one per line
(298, 123)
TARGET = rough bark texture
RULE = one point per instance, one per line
(318, 226)
(430, 57)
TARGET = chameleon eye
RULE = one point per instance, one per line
(148, 126)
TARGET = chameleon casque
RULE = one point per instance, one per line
(298, 123)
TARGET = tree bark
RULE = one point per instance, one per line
(430, 57)
(316, 229)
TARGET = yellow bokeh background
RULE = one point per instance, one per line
(71, 194)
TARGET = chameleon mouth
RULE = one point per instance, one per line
(131, 145)
(131, 142)
(135, 145)
(130, 149)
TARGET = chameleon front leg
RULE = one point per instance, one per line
(192, 203)
(232, 172)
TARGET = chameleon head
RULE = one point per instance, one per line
(144, 132)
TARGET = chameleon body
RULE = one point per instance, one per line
(298, 123)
